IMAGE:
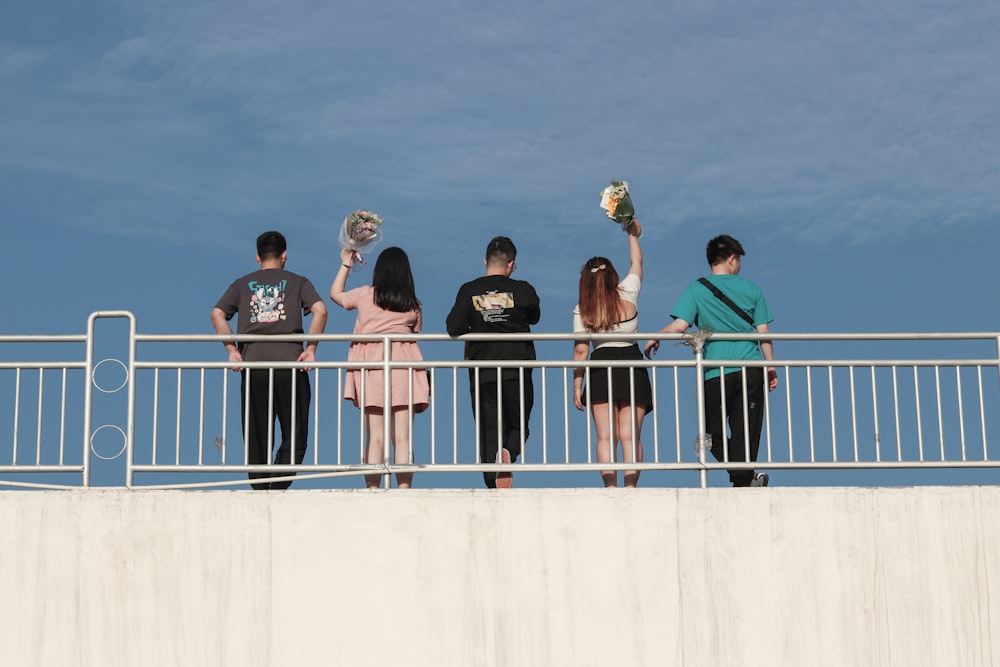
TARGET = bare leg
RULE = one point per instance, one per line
(374, 432)
(602, 424)
(630, 451)
(401, 444)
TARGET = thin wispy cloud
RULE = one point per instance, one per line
(807, 126)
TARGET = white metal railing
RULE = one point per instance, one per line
(861, 405)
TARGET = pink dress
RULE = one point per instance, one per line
(374, 320)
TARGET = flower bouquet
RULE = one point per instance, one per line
(360, 230)
(616, 200)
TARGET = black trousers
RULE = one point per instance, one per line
(276, 390)
(500, 413)
(738, 420)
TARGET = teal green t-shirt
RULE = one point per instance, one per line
(697, 305)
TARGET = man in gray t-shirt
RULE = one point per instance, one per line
(272, 301)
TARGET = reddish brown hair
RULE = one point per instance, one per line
(600, 304)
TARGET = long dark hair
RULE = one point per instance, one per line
(600, 303)
(392, 281)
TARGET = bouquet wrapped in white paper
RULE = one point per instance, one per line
(616, 200)
(361, 229)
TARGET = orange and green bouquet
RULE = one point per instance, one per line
(360, 230)
(616, 200)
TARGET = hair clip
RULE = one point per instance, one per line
(598, 268)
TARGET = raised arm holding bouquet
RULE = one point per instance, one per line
(619, 397)
(360, 230)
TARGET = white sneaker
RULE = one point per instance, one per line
(760, 479)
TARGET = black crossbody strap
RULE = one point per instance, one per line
(726, 300)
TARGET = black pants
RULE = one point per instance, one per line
(751, 419)
(259, 420)
(500, 414)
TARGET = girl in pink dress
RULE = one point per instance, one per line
(388, 305)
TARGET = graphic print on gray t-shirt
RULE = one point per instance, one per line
(267, 301)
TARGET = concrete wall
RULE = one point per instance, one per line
(775, 576)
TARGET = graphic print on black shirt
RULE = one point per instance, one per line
(494, 306)
(267, 301)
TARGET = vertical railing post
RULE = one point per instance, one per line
(88, 394)
(88, 399)
(130, 418)
(998, 357)
(386, 411)
(697, 343)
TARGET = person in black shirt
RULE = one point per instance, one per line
(496, 303)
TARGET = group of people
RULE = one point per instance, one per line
(275, 301)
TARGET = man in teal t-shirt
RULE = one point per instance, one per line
(699, 305)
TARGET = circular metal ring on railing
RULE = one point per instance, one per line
(93, 448)
(93, 376)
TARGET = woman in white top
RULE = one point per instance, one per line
(609, 306)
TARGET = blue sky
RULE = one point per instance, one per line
(851, 147)
(146, 144)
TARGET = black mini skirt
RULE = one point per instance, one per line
(622, 378)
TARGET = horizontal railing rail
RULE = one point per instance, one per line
(855, 407)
